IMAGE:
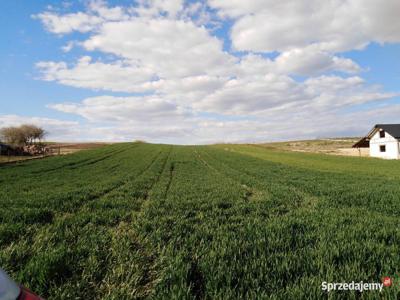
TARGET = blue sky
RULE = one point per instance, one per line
(259, 81)
(27, 43)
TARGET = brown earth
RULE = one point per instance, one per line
(339, 146)
(56, 148)
(68, 148)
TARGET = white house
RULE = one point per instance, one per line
(383, 141)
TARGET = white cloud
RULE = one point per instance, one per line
(333, 83)
(67, 23)
(153, 8)
(170, 51)
(97, 13)
(123, 109)
(307, 62)
(251, 95)
(334, 26)
(172, 48)
(69, 46)
(273, 127)
(115, 76)
(258, 95)
(126, 119)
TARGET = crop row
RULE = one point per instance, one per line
(173, 222)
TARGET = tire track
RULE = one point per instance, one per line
(114, 186)
(83, 162)
(308, 200)
(251, 192)
(171, 176)
(157, 179)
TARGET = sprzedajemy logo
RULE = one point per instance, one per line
(357, 286)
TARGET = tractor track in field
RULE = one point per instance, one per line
(80, 208)
(171, 176)
(196, 280)
(205, 162)
(116, 185)
(134, 177)
(148, 278)
(251, 192)
(310, 200)
(83, 162)
(93, 197)
(157, 179)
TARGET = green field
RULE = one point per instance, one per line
(137, 220)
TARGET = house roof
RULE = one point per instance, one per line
(392, 129)
(363, 143)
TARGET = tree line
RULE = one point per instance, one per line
(19, 136)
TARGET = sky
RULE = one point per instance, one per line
(198, 72)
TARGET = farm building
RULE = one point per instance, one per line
(383, 141)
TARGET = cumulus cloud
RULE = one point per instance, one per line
(306, 62)
(311, 61)
(97, 13)
(202, 86)
(334, 26)
(115, 76)
(252, 95)
(123, 109)
(132, 118)
(173, 48)
(185, 128)
(255, 95)
(153, 8)
(67, 23)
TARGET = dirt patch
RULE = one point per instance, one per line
(55, 149)
(342, 146)
(68, 148)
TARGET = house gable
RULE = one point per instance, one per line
(380, 135)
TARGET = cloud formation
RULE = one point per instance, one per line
(334, 26)
(180, 70)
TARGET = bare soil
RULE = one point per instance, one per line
(339, 146)
(68, 148)
(56, 148)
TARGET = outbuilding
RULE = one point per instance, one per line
(383, 141)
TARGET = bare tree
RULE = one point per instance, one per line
(27, 131)
(23, 135)
(39, 134)
(13, 136)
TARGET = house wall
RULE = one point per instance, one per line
(392, 146)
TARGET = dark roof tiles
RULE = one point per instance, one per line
(392, 129)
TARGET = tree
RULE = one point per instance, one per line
(27, 131)
(13, 136)
(39, 134)
(22, 135)
(32, 133)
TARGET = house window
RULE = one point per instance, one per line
(382, 133)
(382, 148)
